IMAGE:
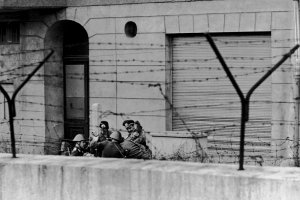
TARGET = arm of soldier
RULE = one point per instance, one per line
(88, 152)
(93, 145)
(140, 139)
(136, 150)
(75, 152)
(134, 136)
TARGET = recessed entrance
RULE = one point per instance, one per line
(66, 82)
(75, 57)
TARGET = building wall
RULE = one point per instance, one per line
(20, 60)
(113, 56)
(154, 21)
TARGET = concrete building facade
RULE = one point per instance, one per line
(131, 58)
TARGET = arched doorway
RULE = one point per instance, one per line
(75, 61)
(66, 83)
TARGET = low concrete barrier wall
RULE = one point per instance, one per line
(34, 177)
(178, 145)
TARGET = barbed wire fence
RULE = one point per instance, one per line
(11, 102)
(223, 146)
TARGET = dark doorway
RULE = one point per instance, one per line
(76, 87)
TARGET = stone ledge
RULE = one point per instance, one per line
(278, 173)
(179, 134)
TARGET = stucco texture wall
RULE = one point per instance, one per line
(128, 96)
(129, 92)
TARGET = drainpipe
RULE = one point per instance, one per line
(297, 85)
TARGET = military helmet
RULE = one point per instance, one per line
(105, 123)
(78, 138)
(117, 136)
(128, 121)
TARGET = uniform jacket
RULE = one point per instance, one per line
(137, 137)
(110, 149)
(77, 151)
(136, 150)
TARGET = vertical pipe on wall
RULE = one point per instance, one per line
(297, 90)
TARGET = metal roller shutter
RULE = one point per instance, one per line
(204, 99)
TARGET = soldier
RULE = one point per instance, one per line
(136, 150)
(135, 132)
(81, 146)
(135, 143)
(104, 131)
(65, 147)
(111, 148)
(102, 135)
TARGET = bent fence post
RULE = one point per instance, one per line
(245, 100)
(11, 102)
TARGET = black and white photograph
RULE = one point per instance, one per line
(149, 99)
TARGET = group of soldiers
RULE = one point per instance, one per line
(111, 144)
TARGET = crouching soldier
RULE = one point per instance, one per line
(104, 131)
(135, 132)
(97, 137)
(136, 150)
(111, 147)
(81, 146)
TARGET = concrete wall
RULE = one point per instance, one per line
(31, 177)
(178, 145)
(105, 26)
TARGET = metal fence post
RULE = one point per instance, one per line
(11, 103)
(245, 100)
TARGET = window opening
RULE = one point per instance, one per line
(9, 33)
